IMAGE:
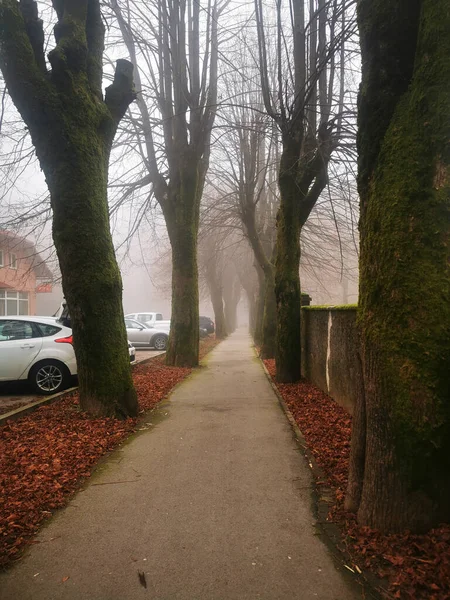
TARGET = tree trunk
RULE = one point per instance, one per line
(287, 265)
(183, 345)
(213, 270)
(232, 298)
(91, 280)
(72, 129)
(219, 314)
(258, 333)
(358, 449)
(404, 174)
(252, 307)
(269, 329)
(250, 285)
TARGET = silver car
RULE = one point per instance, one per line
(141, 334)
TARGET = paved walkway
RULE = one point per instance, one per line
(211, 502)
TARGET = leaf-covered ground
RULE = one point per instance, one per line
(415, 566)
(45, 456)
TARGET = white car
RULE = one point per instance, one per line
(39, 349)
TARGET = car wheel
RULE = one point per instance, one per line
(160, 342)
(49, 377)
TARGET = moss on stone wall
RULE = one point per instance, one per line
(331, 307)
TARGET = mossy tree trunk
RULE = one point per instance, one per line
(404, 316)
(72, 129)
(92, 282)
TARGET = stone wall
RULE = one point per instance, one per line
(329, 351)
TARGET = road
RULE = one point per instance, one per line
(14, 395)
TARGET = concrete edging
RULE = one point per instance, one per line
(324, 496)
(13, 415)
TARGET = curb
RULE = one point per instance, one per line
(324, 497)
(13, 415)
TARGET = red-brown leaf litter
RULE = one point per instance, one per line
(45, 455)
(414, 566)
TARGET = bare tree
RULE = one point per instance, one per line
(72, 128)
(244, 178)
(250, 179)
(308, 112)
(211, 267)
(174, 48)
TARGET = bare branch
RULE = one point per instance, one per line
(24, 77)
(121, 93)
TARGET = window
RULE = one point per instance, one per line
(129, 324)
(48, 330)
(159, 317)
(13, 303)
(16, 330)
(144, 317)
(12, 261)
(1, 258)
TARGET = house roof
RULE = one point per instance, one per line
(10, 241)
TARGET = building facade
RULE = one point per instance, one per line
(23, 275)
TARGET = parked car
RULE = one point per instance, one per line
(37, 349)
(142, 334)
(150, 318)
(132, 352)
(208, 324)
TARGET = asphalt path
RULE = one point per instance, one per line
(210, 500)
